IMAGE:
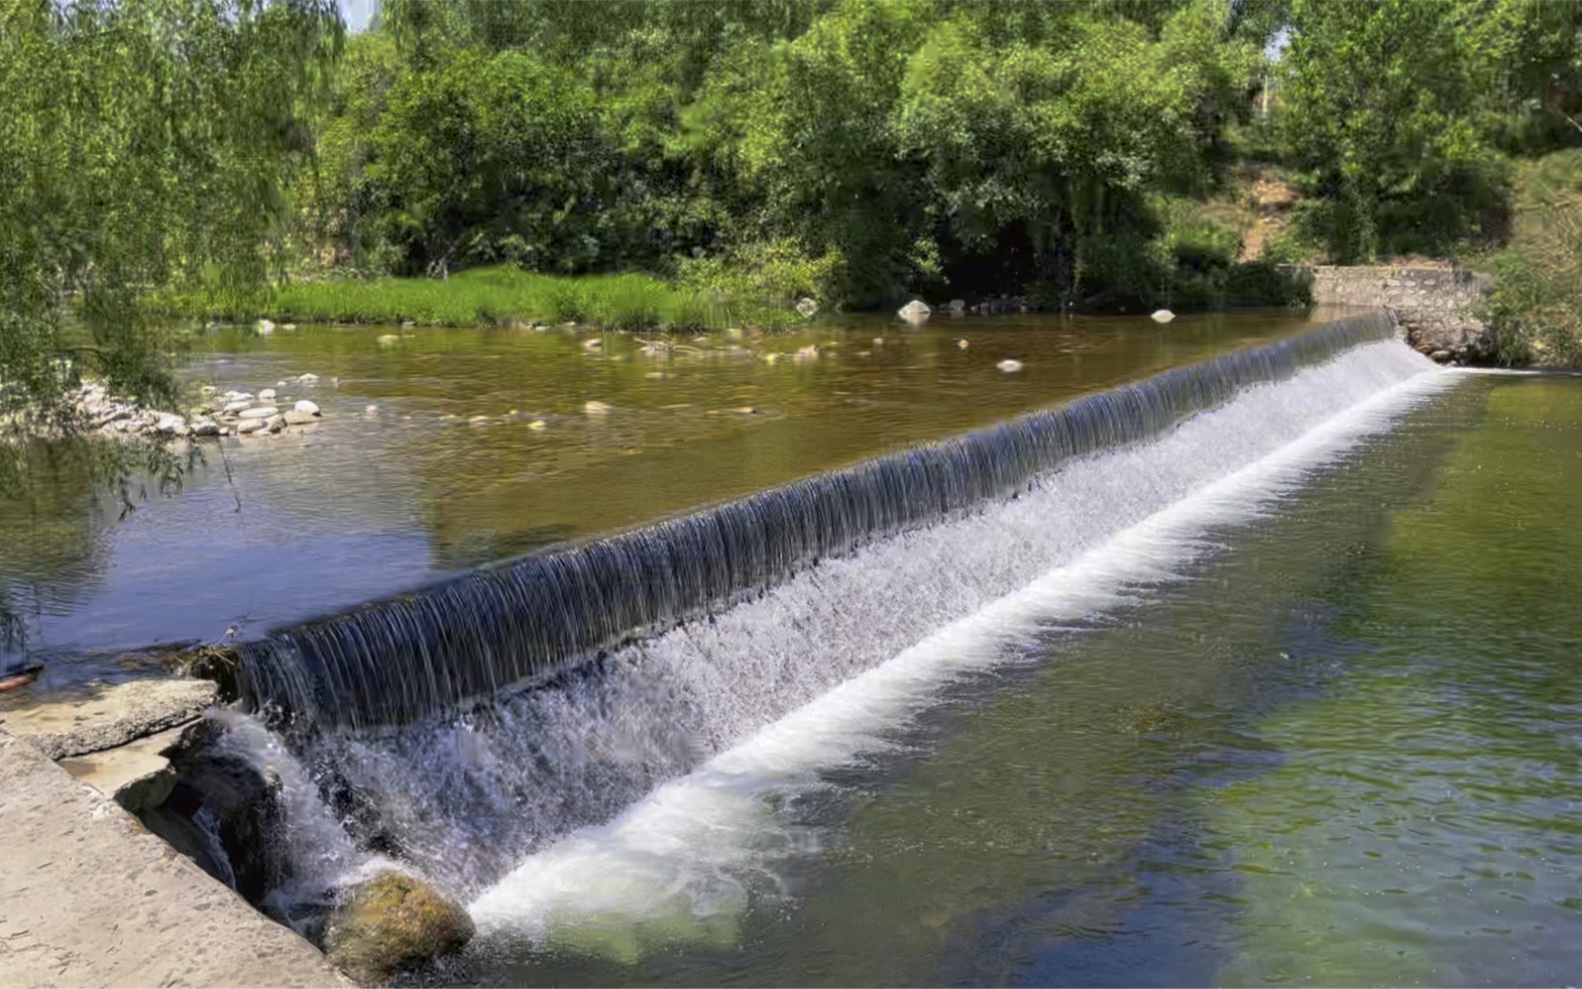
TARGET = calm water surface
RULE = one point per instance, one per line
(481, 446)
(1347, 751)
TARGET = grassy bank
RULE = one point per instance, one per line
(499, 296)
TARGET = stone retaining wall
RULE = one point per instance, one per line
(1433, 305)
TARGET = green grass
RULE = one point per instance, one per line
(498, 296)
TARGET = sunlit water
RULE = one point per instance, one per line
(1316, 723)
(449, 469)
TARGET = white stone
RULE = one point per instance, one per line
(249, 426)
(595, 408)
(307, 378)
(914, 312)
(1010, 365)
(276, 423)
(808, 353)
(538, 425)
(240, 405)
(303, 405)
(265, 327)
(957, 306)
(594, 344)
(1162, 316)
(263, 412)
(267, 395)
(388, 340)
(962, 344)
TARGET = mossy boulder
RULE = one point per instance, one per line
(393, 922)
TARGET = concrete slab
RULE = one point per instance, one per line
(102, 716)
(89, 898)
(137, 775)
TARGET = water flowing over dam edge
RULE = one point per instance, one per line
(405, 657)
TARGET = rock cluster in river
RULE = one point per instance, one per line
(219, 413)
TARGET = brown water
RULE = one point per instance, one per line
(481, 444)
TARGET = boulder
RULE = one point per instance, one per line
(303, 405)
(914, 312)
(391, 923)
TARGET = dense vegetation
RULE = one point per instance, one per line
(725, 157)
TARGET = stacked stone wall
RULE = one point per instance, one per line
(1434, 307)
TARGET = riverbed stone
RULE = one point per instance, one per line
(275, 423)
(102, 716)
(298, 418)
(391, 923)
(262, 412)
(247, 426)
(310, 408)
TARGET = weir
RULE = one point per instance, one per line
(818, 666)
(417, 654)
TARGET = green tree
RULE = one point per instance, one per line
(148, 143)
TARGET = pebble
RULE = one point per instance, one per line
(961, 344)
(1009, 365)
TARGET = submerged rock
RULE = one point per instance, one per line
(393, 922)
(1010, 365)
(595, 408)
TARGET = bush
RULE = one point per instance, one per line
(1536, 307)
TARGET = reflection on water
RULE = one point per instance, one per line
(1345, 752)
(480, 445)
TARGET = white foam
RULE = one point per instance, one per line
(684, 861)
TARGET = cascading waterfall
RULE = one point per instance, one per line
(422, 653)
(804, 588)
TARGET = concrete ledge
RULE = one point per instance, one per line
(88, 897)
(103, 716)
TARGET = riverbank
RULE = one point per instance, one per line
(501, 296)
(89, 897)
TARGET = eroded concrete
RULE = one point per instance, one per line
(103, 716)
(136, 775)
(88, 897)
